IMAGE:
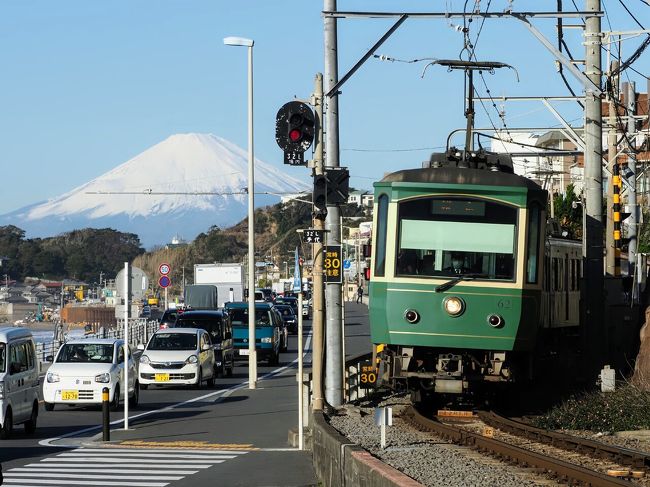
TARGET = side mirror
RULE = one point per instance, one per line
(140, 346)
(49, 358)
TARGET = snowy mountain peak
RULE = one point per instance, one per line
(176, 178)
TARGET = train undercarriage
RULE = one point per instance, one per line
(462, 373)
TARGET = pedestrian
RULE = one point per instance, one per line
(359, 294)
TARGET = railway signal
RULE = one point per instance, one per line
(294, 131)
(320, 195)
(338, 185)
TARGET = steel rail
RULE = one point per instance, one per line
(595, 449)
(560, 468)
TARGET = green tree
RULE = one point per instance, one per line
(568, 212)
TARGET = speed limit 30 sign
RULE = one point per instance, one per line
(332, 264)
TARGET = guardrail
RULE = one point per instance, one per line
(139, 332)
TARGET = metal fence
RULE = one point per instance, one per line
(139, 332)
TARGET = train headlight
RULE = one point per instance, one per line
(411, 316)
(454, 306)
(495, 321)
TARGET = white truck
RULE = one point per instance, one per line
(229, 279)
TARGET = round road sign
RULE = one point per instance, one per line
(164, 269)
(164, 281)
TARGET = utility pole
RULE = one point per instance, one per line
(333, 330)
(592, 247)
(317, 257)
(612, 253)
(630, 102)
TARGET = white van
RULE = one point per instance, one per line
(18, 380)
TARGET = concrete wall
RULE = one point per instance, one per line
(339, 463)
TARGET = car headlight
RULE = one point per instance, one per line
(192, 359)
(52, 377)
(267, 339)
(454, 305)
(144, 359)
(105, 377)
(2, 390)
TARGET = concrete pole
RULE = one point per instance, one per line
(630, 101)
(333, 333)
(611, 161)
(594, 332)
(317, 256)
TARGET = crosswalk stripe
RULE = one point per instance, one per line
(11, 474)
(47, 464)
(116, 467)
(86, 483)
(149, 455)
(98, 470)
(128, 460)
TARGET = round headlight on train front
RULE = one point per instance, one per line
(411, 316)
(495, 321)
(454, 306)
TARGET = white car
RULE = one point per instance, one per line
(177, 356)
(83, 367)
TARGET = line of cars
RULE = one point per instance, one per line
(191, 348)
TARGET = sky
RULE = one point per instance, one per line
(86, 86)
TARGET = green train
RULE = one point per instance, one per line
(466, 283)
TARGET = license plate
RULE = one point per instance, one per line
(243, 351)
(161, 377)
(69, 395)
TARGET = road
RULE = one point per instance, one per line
(225, 435)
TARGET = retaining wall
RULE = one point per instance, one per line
(339, 463)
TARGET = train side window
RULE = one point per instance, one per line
(532, 263)
(382, 225)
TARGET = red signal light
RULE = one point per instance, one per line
(295, 135)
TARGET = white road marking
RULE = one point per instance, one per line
(122, 460)
(48, 468)
(12, 474)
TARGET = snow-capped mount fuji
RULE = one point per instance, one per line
(183, 185)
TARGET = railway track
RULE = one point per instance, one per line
(547, 463)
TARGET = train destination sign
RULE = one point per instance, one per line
(332, 264)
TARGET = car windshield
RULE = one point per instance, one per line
(211, 325)
(456, 236)
(86, 352)
(169, 317)
(173, 341)
(240, 317)
(3, 357)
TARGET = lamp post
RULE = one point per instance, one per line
(252, 354)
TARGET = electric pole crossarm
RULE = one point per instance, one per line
(589, 85)
(335, 88)
(452, 15)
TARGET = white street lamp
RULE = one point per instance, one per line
(252, 354)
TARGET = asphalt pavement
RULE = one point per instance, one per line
(228, 435)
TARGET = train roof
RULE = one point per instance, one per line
(455, 175)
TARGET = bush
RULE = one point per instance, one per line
(627, 408)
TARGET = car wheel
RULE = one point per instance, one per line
(144, 387)
(30, 425)
(8, 427)
(133, 401)
(49, 406)
(199, 381)
(115, 403)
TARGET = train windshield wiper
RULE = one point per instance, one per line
(451, 283)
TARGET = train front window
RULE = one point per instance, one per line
(456, 236)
